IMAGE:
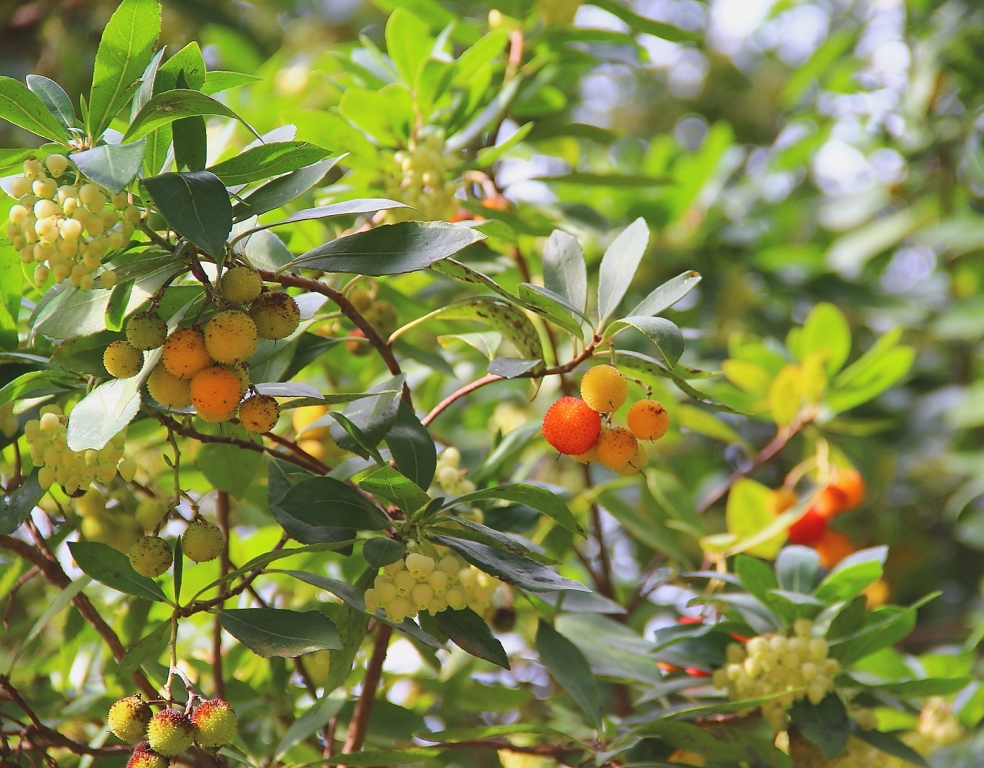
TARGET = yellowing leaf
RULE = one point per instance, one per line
(786, 394)
(815, 377)
(747, 376)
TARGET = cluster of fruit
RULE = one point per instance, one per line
(938, 727)
(67, 229)
(796, 667)
(419, 176)
(381, 315)
(205, 367)
(116, 526)
(211, 725)
(201, 542)
(574, 426)
(72, 470)
(9, 423)
(844, 491)
(448, 477)
(419, 583)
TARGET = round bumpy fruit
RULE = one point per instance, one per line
(151, 556)
(146, 330)
(808, 529)
(122, 360)
(168, 389)
(128, 718)
(833, 546)
(146, 758)
(215, 723)
(215, 393)
(635, 464)
(276, 315)
(647, 420)
(850, 483)
(170, 732)
(616, 447)
(230, 337)
(259, 414)
(571, 426)
(185, 353)
(382, 316)
(202, 540)
(240, 285)
(604, 389)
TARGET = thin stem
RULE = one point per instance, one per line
(363, 707)
(222, 517)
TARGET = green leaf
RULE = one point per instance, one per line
(883, 627)
(511, 367)
(387, 115)
(125, 50)
(469, 632)
(666, 295)
(618, 267)
(112, 165)
(283, 190)
(570, 669)
(890, 745)
(169, 106)
(929, 686)
(55, 99)
(703, 423)
(374, 416)
(325, 502)
(825, 724)
(345, 208)
(408, 42)
(270, 632)
(826, 331)
(564, 269)
(551, 306)
(644, 24)
(11, 290)
(147, 648)
(189, 63)
(868, 377)
(664, 334)
(513, 569)
(112, 568)
(196, 206)
(396, 488)
(218, 80)
(381, 552)
(852, 575)
(747, 513)
(228, 468)
(412, 447)
(382, 758)
(360, 445)
(392, 249)
(106, 410)
(796, 569)
(26, 110)
(189, 137)
(533, 496)
(307, 724)
(17, 506)
(756, 576)
(266, 160)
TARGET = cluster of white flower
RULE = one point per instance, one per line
(938, 727)
(67, 230)
(797, 667)
(448, 477)
(420, 176)
(72, 470)
(419, 583)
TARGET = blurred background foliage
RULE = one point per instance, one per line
(822, 150)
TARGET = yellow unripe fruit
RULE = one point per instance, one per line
(185, 353)
(215, 393)
(230, 337)
(240, 285)
(616, 447)
(259, 414)
(635, 464)
(92, 502)
(202, 540)
(151, 556)
(276, 315)
(647, 419)
(604, 389)
(167, 389)
(122, 360)
(146, 330)
(301, 417)
(150, 512)
(590, 456)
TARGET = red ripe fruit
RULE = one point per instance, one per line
(850, 483)
(829, 501)
(571, 426)
(808, 529)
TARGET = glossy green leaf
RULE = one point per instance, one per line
(228, 468)
(180, 103)
(396, 488)
(747, 513)
(26, 110)
(408, 41)
(148, 648)
(826, 331)
(618, 267)
(112, 568)
(664, 334)
(533, 496)
(412, 447)
(55, 99)
(125, 50)
(112, 165)
(666, 295)
(382, 551)
(217, 81)
(282, 190)
(825, 724)
(266, 160)
(189, 63)
(796, 569)
(328, 503)
(570, 669)
(564, 269)
(852, 575)
(16, 507)
(550, 306)
(270, 632)
(469, 632)
(196, 205)
(373, 416)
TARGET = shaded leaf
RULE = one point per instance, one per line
(278, 632)
(329, 503)
(570, 669)
(469, 632)
(26, 110)
(112, 165)
(112, 568)
(196, 205)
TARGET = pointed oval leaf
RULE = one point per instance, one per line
(26, 110)
(196, 205)
(667, 294)
(533, 496)
(270, 632)
(618, 267)
(267, 160)
(412, 447)
(396, 488)
(174, 105)
(381, 552)
(564, 270)
(796, 569)
(664, 334)
(112, 165)
(282, 190)
(469, 632)
(112, 568)
(570, 669)
(55, 99)
(328, 503)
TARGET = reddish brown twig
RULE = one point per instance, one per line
(363, 707)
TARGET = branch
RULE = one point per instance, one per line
(56, 576)
(363, 707)
(222, 516)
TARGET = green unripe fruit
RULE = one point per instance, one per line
(122, 360)
(151, 556)
(202, 540)
(276, 315)
(215, 724)
(150, 512)
(240, 285)
(146, 330)
(382, 316)
(170, 732)
(168, 389)
(259, 414)
(128, 718)
(360, 298)
(230, 337)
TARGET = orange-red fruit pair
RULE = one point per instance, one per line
(843, 493)
(571, 426)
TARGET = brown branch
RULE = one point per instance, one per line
(363, 707)
(222, 517)
(488, 378)
(57, 577)
(316, 286)
(184, 431)
(775, 445)
(294, 448)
